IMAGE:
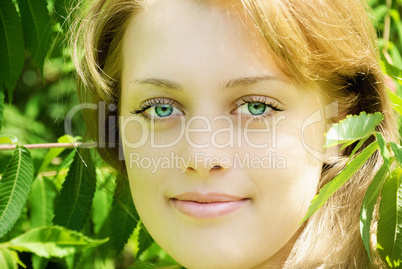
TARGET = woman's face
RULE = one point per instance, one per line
(215, 137)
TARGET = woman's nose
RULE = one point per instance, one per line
(205, 169)
(207, 147)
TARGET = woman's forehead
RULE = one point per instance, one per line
(180, 37)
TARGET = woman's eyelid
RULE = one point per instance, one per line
(152, 102)
(269, 101)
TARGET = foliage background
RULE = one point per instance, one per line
(43, 89)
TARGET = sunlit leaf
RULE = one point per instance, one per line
(380, 11)
(8, 139)
(397, 22)
(7, 259)
(68, 160)
(53, 241)
(14, 188)
(397, 149)
(396, 102)
(37, 28)
(395, 55)
(353, 128)
(63, 168)
(390, 69)
(54, 152)
(42, 198)
(382, 144)
(390, 224)
(340, 179)
(11, 46)
(370, 198)
(356, 148)
(73, 203)
(123, 214)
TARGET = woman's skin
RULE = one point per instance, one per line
(183, 60)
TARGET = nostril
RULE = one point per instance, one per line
(216, 167)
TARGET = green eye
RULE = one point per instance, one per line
(256, 108)
(163, 110)
(156, 109)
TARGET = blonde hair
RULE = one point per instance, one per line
(329, 42)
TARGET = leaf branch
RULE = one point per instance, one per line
(51, 145)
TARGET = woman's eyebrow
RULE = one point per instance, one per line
(173, 85)
(245, 81)
(165, 83)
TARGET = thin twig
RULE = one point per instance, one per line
(50, 145)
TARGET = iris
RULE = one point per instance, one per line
(163, 110)
(256, 108)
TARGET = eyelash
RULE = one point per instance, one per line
(240, 102)
(259, 99)
(152, 103)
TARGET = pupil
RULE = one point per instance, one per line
(163, 110)
(256, 108)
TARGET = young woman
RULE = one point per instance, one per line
(222, 108)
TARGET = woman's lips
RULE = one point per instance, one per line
(207, 206)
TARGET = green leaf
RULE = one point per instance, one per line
(356, 148)
(7, 259)
(63, 168)
(63, 9)
(370, 198)
(11, 46)
(74, 201)
(353, 128)
(1, 107)
(383, 150)
(396, 102)
(39, 262)
(389, 235)
(14, 188)
(53, 241)
(397, 22)
(142, 265)
(102, 200)
(395, 55)
(397, 149)
(37, 28)
(66, 163)
(72, 260)
(17, 228)
(123, 214)
(390, 69)
(42, 198)
(380, 11)
(93, 258)
(144, 241)
(8, 139)
(54, 152)
(340, 179)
